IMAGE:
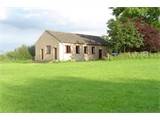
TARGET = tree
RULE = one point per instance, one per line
(31, 50)
(134, 28)
(123, 35)
(115, 35)
(151, 36)
(21, 53)
(149, 15)
(132, 38)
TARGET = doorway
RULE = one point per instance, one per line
(55, 53)
(42, 54)
(100, 53)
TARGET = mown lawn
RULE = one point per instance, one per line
(100, 86)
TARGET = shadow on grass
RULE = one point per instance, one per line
(71, 94)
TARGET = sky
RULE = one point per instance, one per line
(24, 25)
(23, 21)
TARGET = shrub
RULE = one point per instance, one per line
(21, 53)
(3, 58)
(31, 50)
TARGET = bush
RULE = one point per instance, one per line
(31, 50)
(3, 58)
(21, 53)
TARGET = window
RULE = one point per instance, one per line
(93, 50)
(48, 49)
(68, 49)
(77, 50)
(85, 50)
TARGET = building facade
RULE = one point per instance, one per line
(68, 46)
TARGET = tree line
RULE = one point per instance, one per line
(134, 29)
(23, 52)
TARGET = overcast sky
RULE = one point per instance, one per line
(24, 25)
(23, 21)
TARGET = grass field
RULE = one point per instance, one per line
(99, 86)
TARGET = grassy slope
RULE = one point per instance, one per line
(115, 86)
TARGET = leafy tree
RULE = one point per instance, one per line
(132, 38)
(115, 35)
(135, 27)
(11, 55)
(151, 36)
(123, 35)
(21, 53)
(31, 50)
(149, 15)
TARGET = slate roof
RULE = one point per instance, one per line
(77, 38)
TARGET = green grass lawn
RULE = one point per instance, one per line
(99, 86)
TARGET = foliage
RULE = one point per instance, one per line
(123, 35)
(151, 36)
(149, 15)
(31, 50)
(135, 29)
(3, 58)
(21, 53)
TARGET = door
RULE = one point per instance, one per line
(42, 54)
(55, 53)
(100, 53)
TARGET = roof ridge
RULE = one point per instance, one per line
(72, 33)
(53, 35)
(76, 38)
